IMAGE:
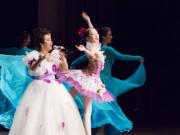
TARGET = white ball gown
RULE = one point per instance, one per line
(46, 107)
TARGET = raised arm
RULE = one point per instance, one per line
(87, 20)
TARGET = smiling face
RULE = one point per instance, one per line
(92, 36)
(27, 41)
(47, 43)
(108, 37)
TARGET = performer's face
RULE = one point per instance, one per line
(47, 45)
(108, 37)
(27, 41)
(93, 36)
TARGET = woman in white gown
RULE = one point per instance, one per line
(46, 107)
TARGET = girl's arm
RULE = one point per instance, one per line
(82, 48)
(87, 20)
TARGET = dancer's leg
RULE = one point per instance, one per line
(87, 114)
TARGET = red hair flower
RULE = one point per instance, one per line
(81, 32)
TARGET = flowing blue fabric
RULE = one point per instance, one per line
(13, 82)
(110, 112)
(8, 87)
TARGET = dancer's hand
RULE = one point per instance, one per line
(42, 56)
(62, 54)
(85, 16)
(80, 47)
(35, 64)
(87, 19)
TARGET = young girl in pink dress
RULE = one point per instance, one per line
(87, 81)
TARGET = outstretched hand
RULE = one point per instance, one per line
(87, 19)
(85, 16)
(80, 47)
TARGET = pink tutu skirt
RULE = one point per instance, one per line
(88, 85)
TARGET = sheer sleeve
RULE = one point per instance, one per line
(30, 57)
(56, 56)
(121, 56)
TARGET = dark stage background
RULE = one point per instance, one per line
(149, 28)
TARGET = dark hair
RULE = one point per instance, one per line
(84, 33)
(23, 36)
(38, 36)
(103, 32)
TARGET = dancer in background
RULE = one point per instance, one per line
(110, 112)
(24, 41)
(22, 46)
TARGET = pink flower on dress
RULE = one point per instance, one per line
(62, 125)
(46, 73)
(54, 68)
(47, 81)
